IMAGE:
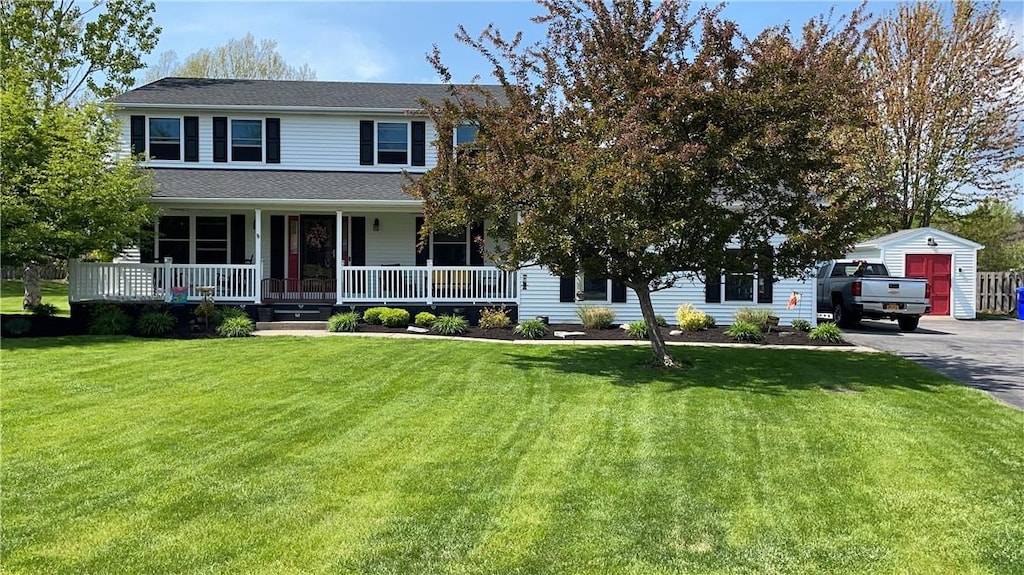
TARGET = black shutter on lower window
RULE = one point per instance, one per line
(765, 274)
(138, 134)
(220, 140)
(238, 238)
(476, 252)
(358, 255)
(191, 138)
(273, 128)
(366, 143)
(618, 292)
(419, 144)
(567, 290)
(277, 242)
(421, 254)
(713, 286)
(147, 245)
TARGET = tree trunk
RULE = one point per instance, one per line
(643, 293)
(33, 292)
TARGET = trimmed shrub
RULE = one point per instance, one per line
(829, 332)
(596, 317)
(450, 325)
(45, 310)
(372, 315)
(801, 325)
(339, 322)
(531, 329)
(755, 315)
(225, 313)
(709, 321)
(155, 323)
(109, 319)
(661, 321)
(744, 331)
(394, 317)
(691, 318)
(238, 326)
(637, 329)
(494, 318)
(425, 319)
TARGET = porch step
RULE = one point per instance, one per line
(296, 325)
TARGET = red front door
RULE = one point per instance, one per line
(938, 270)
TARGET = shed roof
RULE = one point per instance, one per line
(902, 236)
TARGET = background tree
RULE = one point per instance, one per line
(997, 226)
(239, 59)
(949, 86)
(64, 190)
(637, 141)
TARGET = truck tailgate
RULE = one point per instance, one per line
(895, 290)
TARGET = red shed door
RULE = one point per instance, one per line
(938, 270)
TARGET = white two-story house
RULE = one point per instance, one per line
(279, 193)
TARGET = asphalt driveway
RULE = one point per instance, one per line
(986, 354)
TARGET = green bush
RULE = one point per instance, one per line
(595, 317)
(450, 325)
(225, 313)
(372, 315)
(661, 321)
(155, 323)
(801, 325)
(531, 329)
(207, 311)
(637, 329)
(109, 319)
(425, 319)
(826, 332)
(744, 331)
(238, 326)
(709, 321)
(691, 318)
(339, 322)
(494, 318)
(44, 309)
(394, 317)
(755, 315)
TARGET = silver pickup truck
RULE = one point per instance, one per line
(855, 289)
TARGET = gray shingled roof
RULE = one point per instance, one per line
(181, 183)
(285, 93)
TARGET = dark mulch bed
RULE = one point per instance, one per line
(780, 336)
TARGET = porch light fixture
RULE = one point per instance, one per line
(932, 243)
(376, 224)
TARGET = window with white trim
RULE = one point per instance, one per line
(393, 143)
(165, 141)
(595, 289)
(193, 239)
(246, 140)
(451, 249)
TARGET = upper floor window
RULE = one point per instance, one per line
(165, 138)
(393, 143)
(247, 140)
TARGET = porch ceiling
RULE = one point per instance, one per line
(254, 185)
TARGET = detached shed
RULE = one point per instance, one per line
(948, 262)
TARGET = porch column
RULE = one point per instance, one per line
(258, 254)
(339, 261)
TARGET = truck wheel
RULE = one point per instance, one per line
(844, 318)
(908, 323)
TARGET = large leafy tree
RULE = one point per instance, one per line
(995, 225)
(948, 80)
(65, 190)
(239, 59)
(638, 140)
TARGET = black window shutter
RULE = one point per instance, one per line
(273, 128)
(220, 140)
(618, 292)
(138, 134)
(765, 273)
(191, 138)
(421, 254)
(419, 144)
(238, 238)
(147, 245)
(713, 286)
(567, 289)
(476, 253)
(358, 255)
(366, 143)
(277, 247)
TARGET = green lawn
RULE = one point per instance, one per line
(12, 293)
(352, 455)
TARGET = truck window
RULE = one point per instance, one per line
(850, 269)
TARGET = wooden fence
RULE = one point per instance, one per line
(997, 291)
(47, 272)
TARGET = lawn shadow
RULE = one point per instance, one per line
(15, 344)
(764, 371)
(880, 328)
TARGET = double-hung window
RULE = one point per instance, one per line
(165, 138)
(246, 140)
(211, 240)
(451, 249)
(594, 289)
(393, 143)
(193, 239)
(739, 279)
(747, 277)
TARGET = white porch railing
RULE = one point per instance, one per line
(427, 284)
(92, 281)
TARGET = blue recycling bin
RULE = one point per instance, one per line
(1020, 303)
